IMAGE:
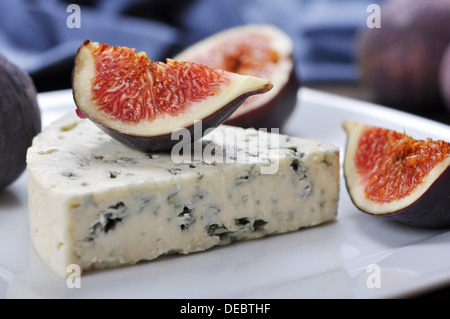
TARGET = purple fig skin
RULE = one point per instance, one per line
(431, 210)
(399, 62)
(275, 112)
(165, 142)
(20, 120)
(445, 78)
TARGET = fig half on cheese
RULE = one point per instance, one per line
(140, 102)
(393, 175)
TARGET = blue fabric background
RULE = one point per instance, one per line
(34, 33)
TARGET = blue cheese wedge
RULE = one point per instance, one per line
(99, 204)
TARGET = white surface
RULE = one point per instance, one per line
(329, 261)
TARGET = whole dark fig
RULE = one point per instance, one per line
(20, 119)
(399, 62)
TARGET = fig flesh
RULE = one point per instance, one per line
(261, 50)
(141, 103)
(393, 175)
(20, 119)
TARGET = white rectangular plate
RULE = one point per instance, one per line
(357, 256)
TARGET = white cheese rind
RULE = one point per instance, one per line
(98, 204)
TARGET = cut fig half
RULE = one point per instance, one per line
(140, 102)
(393, 175)
(261, 50)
